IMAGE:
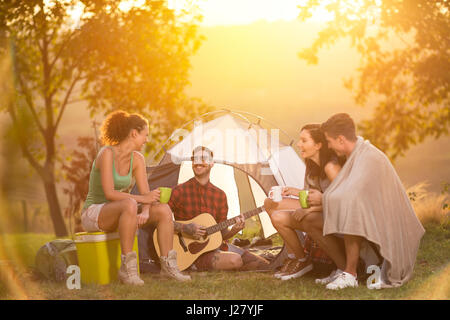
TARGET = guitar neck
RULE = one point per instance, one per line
(225, 224)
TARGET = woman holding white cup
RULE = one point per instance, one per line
(287, 215)
(276, 193)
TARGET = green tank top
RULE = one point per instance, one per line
(95, 194)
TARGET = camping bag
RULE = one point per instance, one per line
(53, 259)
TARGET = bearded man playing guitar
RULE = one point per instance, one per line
(198, 195)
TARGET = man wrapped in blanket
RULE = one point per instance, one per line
(367, 204)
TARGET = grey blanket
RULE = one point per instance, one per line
(367, 199)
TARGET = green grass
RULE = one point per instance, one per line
(22, 247)
(431, 279)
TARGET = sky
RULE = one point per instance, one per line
(239, 12)
(236, 12)
(232, 12)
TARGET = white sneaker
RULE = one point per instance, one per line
(342, 281)
(330, 278)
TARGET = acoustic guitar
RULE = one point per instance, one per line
(189, 249)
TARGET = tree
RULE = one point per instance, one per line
(77, 173)
(405, 58)
(135, 59)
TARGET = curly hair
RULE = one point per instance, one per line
(118, 124)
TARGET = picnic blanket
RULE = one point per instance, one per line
(367, 199)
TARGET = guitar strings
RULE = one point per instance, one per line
(227, 223)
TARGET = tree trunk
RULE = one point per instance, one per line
(25, 215)
(53, 205)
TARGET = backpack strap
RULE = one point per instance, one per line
(51, 249)
(55, 250)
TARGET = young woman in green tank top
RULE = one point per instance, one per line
(109, 208)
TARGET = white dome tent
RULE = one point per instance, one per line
(249, 159)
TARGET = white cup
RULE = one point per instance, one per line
(275, 193)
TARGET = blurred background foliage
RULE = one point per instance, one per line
(404, 62)
(136, 59)
(65, 64)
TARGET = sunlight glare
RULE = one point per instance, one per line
(239, 12)
(126, 5)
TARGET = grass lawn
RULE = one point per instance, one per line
(431, 279)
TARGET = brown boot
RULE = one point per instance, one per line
(284, 268)
(297, 269)
(128, 272)
(169, 267)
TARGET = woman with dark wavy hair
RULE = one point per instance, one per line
(287, 216)
(108, 207)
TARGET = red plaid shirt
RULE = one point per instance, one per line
(190, 199)
(316, 253)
